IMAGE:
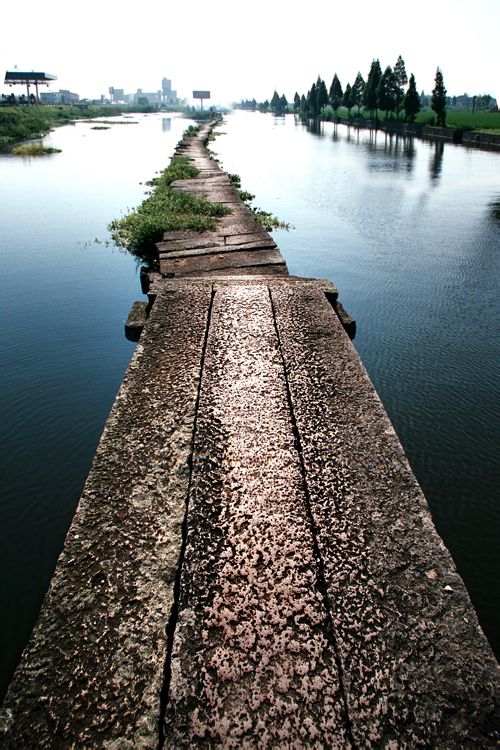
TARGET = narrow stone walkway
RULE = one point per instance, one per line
(238, 245)
(252, 563)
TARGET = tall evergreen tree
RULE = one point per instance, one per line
(387, 91)
(296, 102)
(312, 101)
(322, 94)
(358, 90)
(348, 100)
(370, 92)
(336, 93)
(401, 81)
(283, 104)
(275, 101)
(438, 100)
(411, 101)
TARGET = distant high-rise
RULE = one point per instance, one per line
(168, 95)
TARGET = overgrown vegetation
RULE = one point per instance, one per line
(165, 210)
(19, 124)
(268, 220)
(190, 131)
(34, 149)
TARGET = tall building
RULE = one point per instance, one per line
(168, 95)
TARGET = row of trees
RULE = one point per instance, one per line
(381, 91)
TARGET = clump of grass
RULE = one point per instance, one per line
(245, 196)
(34, 149)
(100, 127)
(268, 220)
(191, 131)
(165, 210)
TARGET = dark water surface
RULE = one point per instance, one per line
(409, 231)
(64, 300)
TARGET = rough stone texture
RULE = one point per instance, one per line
(93, 672)
(252, 663)
(252, 563)
(194, 265)
(417, 671)
(135, 321)
(187, 254)
(316, 606)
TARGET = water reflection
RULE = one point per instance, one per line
(494, 208)
(436, 163)
(166, 124)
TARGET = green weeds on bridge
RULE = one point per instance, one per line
(165, 210)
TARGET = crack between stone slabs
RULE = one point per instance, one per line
(320, 578)
(174, 612)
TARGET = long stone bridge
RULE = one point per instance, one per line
(252, 563)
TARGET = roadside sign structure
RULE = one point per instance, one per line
(15, 77)
(201, 95)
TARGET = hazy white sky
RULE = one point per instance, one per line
(248, 49)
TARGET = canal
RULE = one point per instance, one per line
(409, 232)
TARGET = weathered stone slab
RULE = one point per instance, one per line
(246, 225)
(253, 662)
(246, 237)
(216, 195)
(172, 253)
(136, 320)
(199, 264)
(218, 179)
(274, 269)
(199, 241)
(417, 671)
(92, 674)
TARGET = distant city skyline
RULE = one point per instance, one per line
(249, 52)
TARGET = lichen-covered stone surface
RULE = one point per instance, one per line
(252, 563)
(93, 672)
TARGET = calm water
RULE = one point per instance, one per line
(407, 231)
(64, 300)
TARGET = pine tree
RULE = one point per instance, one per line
(296, 102)
(322, 94)
(401, 81)
(358, 90)
(312, 101)
(370, 92)
(387, 91)
(438, 101)
(275, 101)
(336, 93)
(283, 104)
(411, 101)
(348, 100)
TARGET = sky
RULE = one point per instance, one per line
(248, 49)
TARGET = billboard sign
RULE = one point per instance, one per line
(201, 94)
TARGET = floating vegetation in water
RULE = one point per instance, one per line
(269, 221)
(112, 122)
(100, 127)
(34, 149)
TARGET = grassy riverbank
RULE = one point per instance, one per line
(455, 118)
(165, 210)
(19, 124)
